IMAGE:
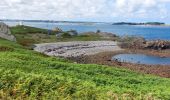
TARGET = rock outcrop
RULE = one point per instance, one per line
(158, 44)
(105, 35)
(5, 32)
(141, 43)
(132, 42)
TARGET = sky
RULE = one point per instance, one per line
(87, 10)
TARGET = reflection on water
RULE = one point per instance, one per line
(142, 59)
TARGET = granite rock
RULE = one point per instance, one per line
(5, 32)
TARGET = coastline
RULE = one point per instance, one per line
(76, 48)
(104, 58)
(101, 52)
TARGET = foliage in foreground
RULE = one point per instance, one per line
(25, 74)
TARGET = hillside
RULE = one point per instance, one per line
(27, 36)
(25, 74)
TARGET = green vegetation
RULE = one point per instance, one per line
(81, 38)
(25, 74)
(66, 35)
(27, 36)
(20, 29)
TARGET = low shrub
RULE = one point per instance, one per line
(65, 35)
(26, 42)
(5, 48)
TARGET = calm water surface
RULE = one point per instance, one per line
(142, 59)
(148, 32)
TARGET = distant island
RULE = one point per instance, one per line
(133, 23)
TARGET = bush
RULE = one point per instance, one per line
(65, 35)
(5, 48)
(73, 32)
(26, 42)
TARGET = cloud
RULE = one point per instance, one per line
(83, 9)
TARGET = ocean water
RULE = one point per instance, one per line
(148, 32)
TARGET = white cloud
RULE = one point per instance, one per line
(72, 9)
(137, 8)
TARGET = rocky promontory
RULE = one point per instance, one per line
(141, 43)
(5, 32)
(158, 44)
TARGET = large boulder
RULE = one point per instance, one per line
(5, 32)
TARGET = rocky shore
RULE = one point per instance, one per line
(101, 52)
(130, 42)
(158, 44)
(76, 48)
(104, 58)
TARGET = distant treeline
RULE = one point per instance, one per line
(131, 23)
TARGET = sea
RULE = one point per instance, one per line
(148, 32)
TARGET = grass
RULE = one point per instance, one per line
(21, 29)
(27, 36)
(25, 74)
(81, 38)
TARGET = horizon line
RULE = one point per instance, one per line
(77, 21)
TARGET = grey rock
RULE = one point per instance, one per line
(73, 32)
(5, 32)
(158, 44)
